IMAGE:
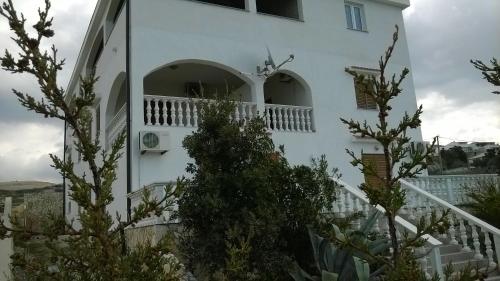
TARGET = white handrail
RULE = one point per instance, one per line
(401, 221)
(116, 119)
(453, 208)
(469, 227)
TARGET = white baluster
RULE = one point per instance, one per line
(302, 121)
(285, 117)
(356, 208)
(348, 203)
(342, 203)
(308, 120)
(188, 113)
(237, 114)
(280, 119)
(423, 261)
(268, 118)
(195, 114)
(156, 107)
(452, 232)
(174, 113)
(244, 114)
(165, 113)
(293, 119)
(489, 250)
(181, 114)
(463, 236)
(148, 111)
(250, 112)
(274, 118)
(476, 243)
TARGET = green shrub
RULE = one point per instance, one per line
(484, 201)
(239, 181)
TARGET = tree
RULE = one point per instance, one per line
(243, 199)
(386, 191)
(97, 250)
(490, 73)
(454, 157)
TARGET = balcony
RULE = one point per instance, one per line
(165, 111)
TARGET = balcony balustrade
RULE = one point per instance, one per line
(116, 126)
(165, 111)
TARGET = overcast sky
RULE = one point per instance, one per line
(443, 35)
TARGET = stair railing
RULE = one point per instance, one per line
(352, 200)
(465, 228)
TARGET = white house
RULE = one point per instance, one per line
(153, 57)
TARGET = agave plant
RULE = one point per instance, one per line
(348, 262)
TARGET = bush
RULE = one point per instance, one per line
(239, 181)
(484, 201)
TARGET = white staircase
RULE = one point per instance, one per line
(469, 240)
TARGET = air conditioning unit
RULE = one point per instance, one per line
(154, 142)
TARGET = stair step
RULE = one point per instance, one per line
(458, 265)
(456, 257)
(449, 248)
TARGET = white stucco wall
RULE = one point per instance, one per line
(167, 31)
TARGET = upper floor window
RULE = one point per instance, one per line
(364, 97)
(95, 53)
(283, 8)
(364, 87)
(238, 4)
(355, 16)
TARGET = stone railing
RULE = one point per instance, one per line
(157, 191)
(452, 189)
(168, 111)
(351, 200)
(466, 230)
(289, 118)
(116, 126)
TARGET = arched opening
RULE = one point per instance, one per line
(172, 91)
(116, 110)
(114, 12)
(288, 103)
(95, 53)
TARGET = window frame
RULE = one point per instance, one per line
(368, 72)
(353, 23)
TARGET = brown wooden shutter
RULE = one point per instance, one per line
(378, 162)
(363, 99)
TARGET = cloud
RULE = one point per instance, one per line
(26, 138)
(476, 121)
(25, 148)
(442, 37)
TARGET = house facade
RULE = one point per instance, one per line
(155, 59)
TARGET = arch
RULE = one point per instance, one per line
(177, 77)
(114, 11)
(288, 88)
(117, 97)
(95, 52)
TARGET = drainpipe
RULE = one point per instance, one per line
(129, 115)
(64, 178)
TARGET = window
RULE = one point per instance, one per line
(283, 8)
(355, 17)
(377, 162)
(364, 99)
(238, 4)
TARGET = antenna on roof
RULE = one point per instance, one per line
(270, 67)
